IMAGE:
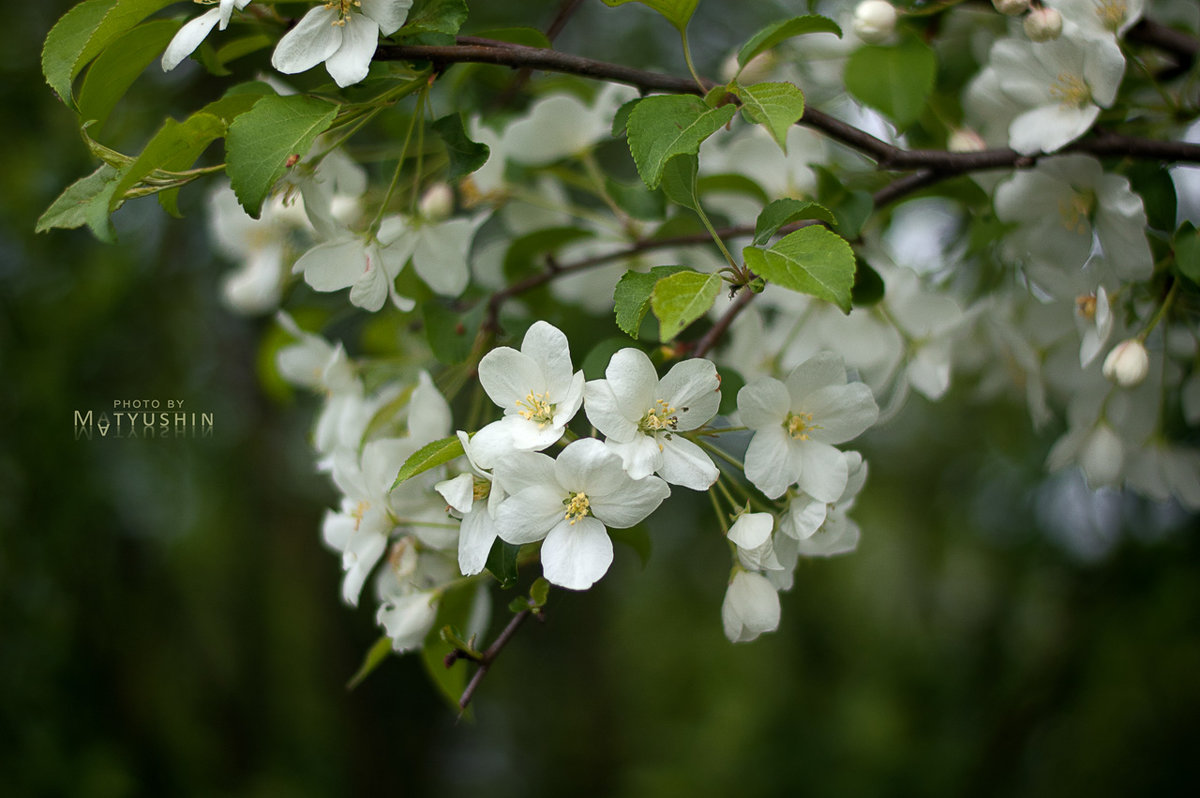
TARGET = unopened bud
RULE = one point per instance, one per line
(1011, 8)
(966, 140)
(757, 69)
(1043, 24)
(437, 202)
(875, 21)
(1127, 364)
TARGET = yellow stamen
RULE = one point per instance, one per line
(1111, 13)
(798, 425)
(1070, 91)
(343, 8)
(1076, 212)
(577, 507)
(1086, 304)
(661, 416)
(537, 408)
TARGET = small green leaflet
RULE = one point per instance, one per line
(812, 261)
(84, 32)
(1187, 251)
(785, 211)
(775, 106)
(679, 180)
(664, 126)
(84, 202)
(261, 140)
(431, 455)
(454, 610)
(631, 297)
(375, 656)
(434, 16)
(539, 592)
(465, 155)
(682, 298)
(502, 563)
(895, 81)
(677, 12)
(777, 32)
(118, 67)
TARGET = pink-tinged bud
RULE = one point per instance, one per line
(437, 203)
(1127, 364)
(875, 21)
(966, 140)
(1011, 8)
(1043, 24)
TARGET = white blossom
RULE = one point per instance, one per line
(570, 502)
(642, 416)
(188, 38)
(751, 607)
(343, 34)
(1127, 364)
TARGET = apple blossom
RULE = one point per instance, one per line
(751, 607)
(1127, 364)
(188, 38)
(343, 34)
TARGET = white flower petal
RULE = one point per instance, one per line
(768, 461)
(351, 62)
(509, 376)
(841, 412)
(440, 257)
(575, 555)
(763, 403)
(188, 38)
(694, 390)
(686, 464)
(1048, 128)
(527, 515)
(333, 265)
(640, 457)
(475, 538)
(547, 346)
(633, 380)
(314, 39)
(607, 414)
(819, 371)
(751, 607)
(751, 530)
(388, 14)
(458, 492)
(824, 473)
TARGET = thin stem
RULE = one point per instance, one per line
(687, 57)
(387, 198)
(489, 657)
(720, 513)
(1168, 300)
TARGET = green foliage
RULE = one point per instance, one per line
(636, 200)
(811, 260)
(175, 146)
(502, 563)
(776, 32)
(679, 181)
(431, 455)
(115, 70)
(631, 297)
(732, 381)
(868, 285)
(539, 592)
(664, 126)
(1187, 251)
(86, 201)
(451, 335)
(677, 12)
(775, 106)
(454, 611)
(523, 253)
(374, 657)
(84, 32)
(896, 81)
(680, 299)
(783, 212)
(261, 141)
(434, 16)
(465, 155)
(596, 360)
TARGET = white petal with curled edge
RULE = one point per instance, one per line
(440, 257)
(588, 465)
(686, 464)
(188, 38)
(475, 539)
(640, 457)
(407, 619)
(351, 62)
(333, 265)
(633, 380)
(694, 390)
(1050, 127)
(575, 555)
(751, 607)
(841, 412)
(458, 492)
(389, 14)
(547, 346)
(804, 517)
(632, 503)
(819, 371)
(314, 39)
(751, 530)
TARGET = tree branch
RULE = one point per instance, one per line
(489, 657)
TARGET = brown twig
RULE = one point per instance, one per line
(489, 657)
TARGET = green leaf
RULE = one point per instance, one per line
(621, 117)
(775, 106)
(454, 610)
(431, 455)
(84, 32)
(679, 180)
(465, 155)
(215, 60)
(785, 211)
(451, 335)
(238, 100)
(115, 70)
(777, 32)
(812, 261)
(376, 654)
(663, 126)
(175, 146)
(677, 12)
(597, 358)
(682, 298)
(502, 563)
(868, 285)
(83, 202)
(631, 297)
(1187, 251)
(636, 538)
(539, 591)
(434, 16)
(261, 140)
(1157, 190)
(896, 81)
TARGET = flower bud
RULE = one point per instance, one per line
(1011, 8)
(1043, 24)
(751, 607)
(966, 140)
(437, 203)
(1127, 363)
(875, 21)
(757, 69)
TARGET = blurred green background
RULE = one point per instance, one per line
(170, 622)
